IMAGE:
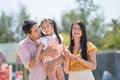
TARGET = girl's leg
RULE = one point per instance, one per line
(51, 75)
(59, 73)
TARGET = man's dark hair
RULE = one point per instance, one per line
(27, 25)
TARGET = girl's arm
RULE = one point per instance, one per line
(40, 47)
(67, 56)
(66, 65)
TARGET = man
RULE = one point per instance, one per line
(27, 50)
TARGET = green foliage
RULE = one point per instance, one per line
(23, 15)
(6, 34)
(96, 30)
(67, 19)
(10, 26)
(66, 38)
(84, 12)
(111, 39)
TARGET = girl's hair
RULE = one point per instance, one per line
(83, 40)
(53, 23)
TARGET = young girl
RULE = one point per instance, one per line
(51, 38)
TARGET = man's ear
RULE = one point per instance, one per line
(28, 34)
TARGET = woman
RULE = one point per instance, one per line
(85, 52)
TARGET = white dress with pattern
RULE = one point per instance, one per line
(49, 41)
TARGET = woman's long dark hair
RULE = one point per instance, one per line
(83, 40)
(53, 23)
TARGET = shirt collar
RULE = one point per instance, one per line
(30, 41)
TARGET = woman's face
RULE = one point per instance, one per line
(47, 28)
(76, 31)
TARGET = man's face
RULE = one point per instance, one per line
(35, 32)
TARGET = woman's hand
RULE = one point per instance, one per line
(73, 57)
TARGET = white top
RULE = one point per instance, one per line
(49, 40)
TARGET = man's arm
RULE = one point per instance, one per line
(25, 57)
(31, 63)
(50, 51)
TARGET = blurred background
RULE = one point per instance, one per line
(101, 17)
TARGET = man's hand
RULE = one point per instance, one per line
(49, 66)
(32, 63)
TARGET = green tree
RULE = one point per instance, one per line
(67, 19)
(6, 34)
(111, 39)
(88, 13)
(66, 38)
(11, 25)
(22, 16)
(96, 30)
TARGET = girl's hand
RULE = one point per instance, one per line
(73, 57)
(67, 53)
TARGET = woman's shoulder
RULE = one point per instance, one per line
(91, 48)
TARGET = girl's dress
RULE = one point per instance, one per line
(51, 41)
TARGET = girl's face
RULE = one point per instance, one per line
(47, 28)
(76, 31)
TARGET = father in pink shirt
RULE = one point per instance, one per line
(27, 51)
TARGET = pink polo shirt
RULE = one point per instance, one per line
(27, 49)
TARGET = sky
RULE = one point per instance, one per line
(39, 9)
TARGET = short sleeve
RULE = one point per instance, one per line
(24, 54)
(44, 41)
(91, 48)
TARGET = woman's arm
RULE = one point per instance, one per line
(91, 64)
